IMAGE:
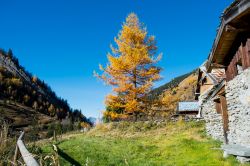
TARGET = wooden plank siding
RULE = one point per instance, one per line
(247, 52)
(241, 57)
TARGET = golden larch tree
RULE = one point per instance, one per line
(132, 68)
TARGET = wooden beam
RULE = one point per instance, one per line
(217, 65)
(230, 28)
(27, 157)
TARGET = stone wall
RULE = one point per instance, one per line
(238, 102)
(214, 124)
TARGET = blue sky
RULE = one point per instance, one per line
(63, 41)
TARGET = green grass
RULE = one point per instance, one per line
(140, 144)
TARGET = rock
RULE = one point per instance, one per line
(243, 159)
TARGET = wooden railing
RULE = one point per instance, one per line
(26, 155)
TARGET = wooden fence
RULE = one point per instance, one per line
(27, 157)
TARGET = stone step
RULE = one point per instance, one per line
(237, 150)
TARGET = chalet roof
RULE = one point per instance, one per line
(234, 20)
(233, 4)
(211, 93)
(203, 69)
(188, 106)
(216, 75)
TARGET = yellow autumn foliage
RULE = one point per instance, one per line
(114, 116)
(85, 125)
(131, 69)
(183, 92)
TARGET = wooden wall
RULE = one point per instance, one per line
(241, 57)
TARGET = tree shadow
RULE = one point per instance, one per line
(68, 158)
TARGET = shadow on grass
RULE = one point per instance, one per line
(68, 158)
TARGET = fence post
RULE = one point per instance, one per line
(54, 136)
(15, 156)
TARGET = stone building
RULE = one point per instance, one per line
(223, 87)
(207, 85)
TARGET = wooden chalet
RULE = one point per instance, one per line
(231, 52)
(223, 87)
(231, 46)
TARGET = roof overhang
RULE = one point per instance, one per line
(234, 21)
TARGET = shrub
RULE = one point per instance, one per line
(7, 147)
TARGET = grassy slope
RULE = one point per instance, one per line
(143, 144)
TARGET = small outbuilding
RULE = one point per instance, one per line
(190, 108)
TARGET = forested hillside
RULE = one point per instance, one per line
(164, 103)
(155, 93)
(24, 95)
(184, 91)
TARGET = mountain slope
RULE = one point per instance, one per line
(184, 91)
(21, 116)
(155, 93)
(24, 98)
(20, 86)
(166, 97)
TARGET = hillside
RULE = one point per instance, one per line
(139, 144)
(155, 93)
(19, 115)
(20, 86)
(25, 98)
(167, 97)
(184, 91)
